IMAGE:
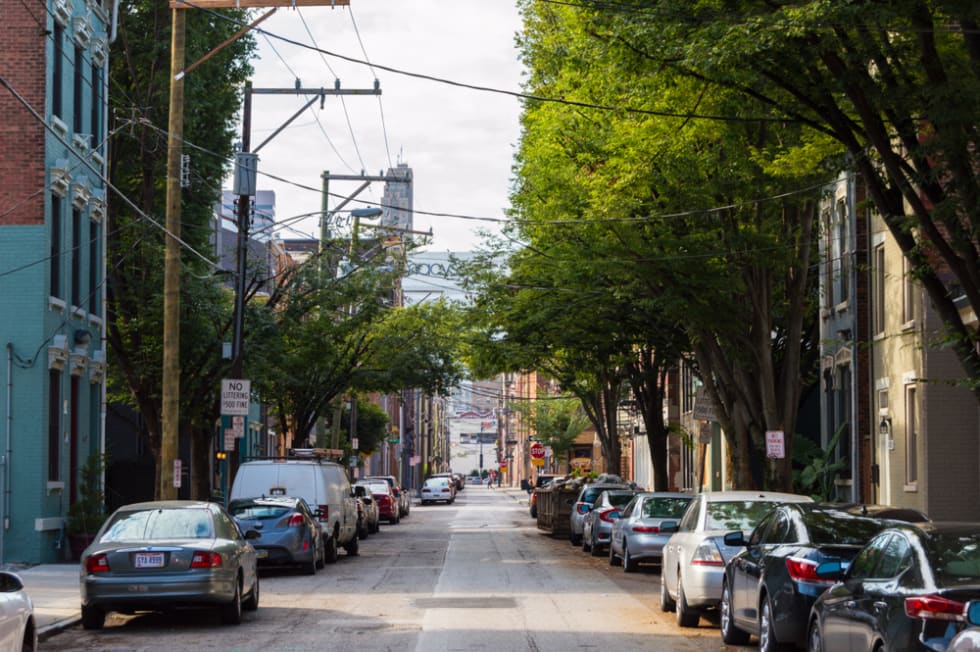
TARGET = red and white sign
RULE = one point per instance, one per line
(537, 451)
(775, 444)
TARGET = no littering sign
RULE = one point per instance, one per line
(235, 394)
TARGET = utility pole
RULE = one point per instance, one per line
(166, 489)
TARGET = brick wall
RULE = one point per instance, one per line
(23, 38)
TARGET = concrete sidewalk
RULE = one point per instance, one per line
(53, 589)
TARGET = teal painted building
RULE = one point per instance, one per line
(53, 72)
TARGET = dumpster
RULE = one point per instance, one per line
(554, 504)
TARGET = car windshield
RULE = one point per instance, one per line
(377, 488)
(665, 507)
(149, 524)
(956, 558)
(258, 512)
(737, 514)
(619, 500)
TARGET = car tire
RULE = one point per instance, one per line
(629, 562)
(730, 634)
(666, 602)
(613, 558)
(321, 555)
(595, 548)
(231, 613)
(251, 603)
(331, 550)
(576, 539)
(309, 568)
(585, 543)
(376, 527)
(353, 547)
(534, 511)
(92, 617)
(687, 616)
(767, 631)
(814, 638)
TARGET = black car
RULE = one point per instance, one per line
(906, 590)
(770, 586)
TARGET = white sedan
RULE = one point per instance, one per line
(18, 631)
(437, 489)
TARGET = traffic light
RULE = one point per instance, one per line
(220, 455)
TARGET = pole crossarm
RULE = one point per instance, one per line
(320, 93)
(248, 4)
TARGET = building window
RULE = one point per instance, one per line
(908, 292)
(76, 257)
(79, 88)
(57, 71)
(93, 268)
(54, 255)
(829, 263)
(911, 436)
(843, 244)
(54, 424)
(687, 388)
(878, 290)
(96, 114)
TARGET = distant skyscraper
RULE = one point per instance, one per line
(397, 200)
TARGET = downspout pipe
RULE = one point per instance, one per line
(5, 460)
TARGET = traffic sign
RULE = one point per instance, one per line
(537, 451)
(235, 396)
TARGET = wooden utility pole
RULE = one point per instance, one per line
(166, 489)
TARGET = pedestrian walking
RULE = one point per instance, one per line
(490, 480)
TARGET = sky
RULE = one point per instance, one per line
(459, 142)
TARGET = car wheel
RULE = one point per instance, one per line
(595, 548)
(29, 644)
(353, 546)
(815, 638)
(251, 603)
(730, 634)
(534, 511)
(686, 615)
(666, 602)
(375, 527)
(321, 555)
(613, 559)
(586, 544)
(231, 613)
(331, 550)
(362, 532)
(767, 632)
(629, 562)
(309, 568)
(92, 617)
(576, 539)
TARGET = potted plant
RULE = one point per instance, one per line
(87, 513)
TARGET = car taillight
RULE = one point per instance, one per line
(324, 511)
(707, 554)
(934, 607)
(97, 564)
(647, 529)
(445, 490)
(804, 570)
(582, 508)
(383, 499)
(296, 520)
(204, 559)
(609, 515)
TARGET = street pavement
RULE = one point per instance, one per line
(54, 587)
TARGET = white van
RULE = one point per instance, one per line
(322, 483)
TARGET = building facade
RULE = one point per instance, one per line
(54, 59)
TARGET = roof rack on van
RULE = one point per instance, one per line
(316, 453)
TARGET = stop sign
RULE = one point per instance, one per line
(537, 450)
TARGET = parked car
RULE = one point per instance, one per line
(597, 523)
(309, 474)
(636, 537)
(455, 479)
(770, 586)
(437, 489)
(289, 533)
(368, 519)
(384, 498)
(176, 553)
(18, 629)
(695, 555)
(968, 640)
(907, 589)
(583, 503)
(402, 494)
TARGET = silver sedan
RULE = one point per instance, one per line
(695, 555)
(636, 535)
(164, 555)
(18, 629)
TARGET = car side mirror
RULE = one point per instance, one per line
(735, 539)
(669, 526)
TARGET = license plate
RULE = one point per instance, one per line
(261, 554)
(149, 560)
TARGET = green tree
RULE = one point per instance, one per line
(139, 94)
(556, 421)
